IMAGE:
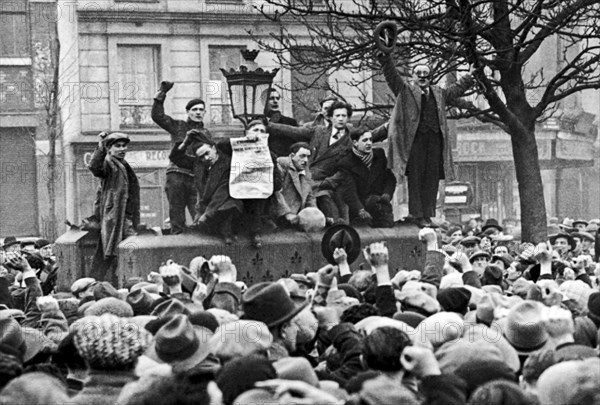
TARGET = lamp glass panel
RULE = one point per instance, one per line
(237, 98)
(259, 98)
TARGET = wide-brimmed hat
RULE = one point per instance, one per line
(580, 221)
(491, 223)
(340, 236)
(9, 241)
(180, 344)
(141, 301)
(116, 137)
(269, 303)
(523, 327)
(583, 235)
(564, 235)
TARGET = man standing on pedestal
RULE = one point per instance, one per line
(180, 189)
(118, 205)
(418, 133)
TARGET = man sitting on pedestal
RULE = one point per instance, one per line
(217, 208)
(296, 191)
(366, 184)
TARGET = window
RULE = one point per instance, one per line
(217, 92)
(14, 38)
(138, 82)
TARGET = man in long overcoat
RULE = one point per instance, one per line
(418, 135)
(118, 203)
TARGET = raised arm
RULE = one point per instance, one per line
(393, 78)
(98, 165)
(459, 88)
(298, 134)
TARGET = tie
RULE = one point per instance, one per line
(426, 91)
(337, 135)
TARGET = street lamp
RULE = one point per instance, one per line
(248, 89)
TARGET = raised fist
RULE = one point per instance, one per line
(165, 86)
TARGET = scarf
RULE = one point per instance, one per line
(365, 157)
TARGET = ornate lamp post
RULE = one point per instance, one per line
(248, 89)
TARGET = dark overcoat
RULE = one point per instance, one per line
(359, 181)
(406, 114)
(116, 191)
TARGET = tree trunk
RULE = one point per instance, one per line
(531, 190)
(52, 121)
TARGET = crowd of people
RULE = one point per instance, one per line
(487, 320)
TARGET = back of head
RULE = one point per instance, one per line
(501, 393)
(34, 388)
(382, 349)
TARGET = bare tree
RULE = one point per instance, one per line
(502, 37)
(46, 90)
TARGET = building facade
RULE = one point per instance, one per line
(114, 54)
(27, 50)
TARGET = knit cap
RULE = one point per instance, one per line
(108, 342)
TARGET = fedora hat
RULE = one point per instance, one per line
(580, 221)
(340, 236)
(566, 236)
(523, 327)
(491, 223)
(180, 344)
(583, 235)
(269, 303)
(9, 241)
(141, 301)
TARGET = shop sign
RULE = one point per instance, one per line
(495, 150)
(141, 158)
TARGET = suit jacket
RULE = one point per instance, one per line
(324, 159)
(358, 181)
(405, 116)
(296, 191)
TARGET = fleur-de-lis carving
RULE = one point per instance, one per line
(296, 258)
(415, 252)
(257, 260)
(268, 276)
(248, 278)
